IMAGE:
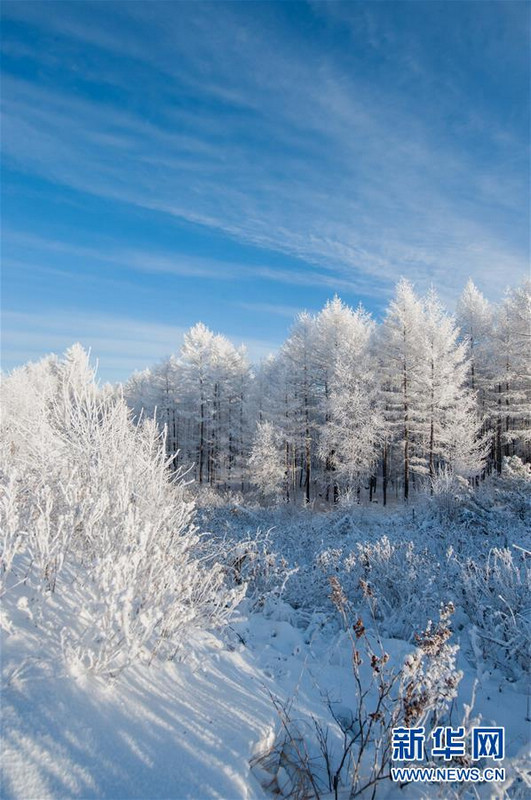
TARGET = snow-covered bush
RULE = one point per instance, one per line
(412, 560)
(497, 599)
(350, 754)
(512, 490)
(207, 497)
(95, 492)
(267, 463)
(252, 562)
(447, 491)
(14, 523)
(403, 578)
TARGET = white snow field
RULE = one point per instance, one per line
(189, 728)
(175, 730)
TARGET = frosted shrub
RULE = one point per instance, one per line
(253, 562)
(137, 542)
(267, 462)
(209, 498)
(403, 579)
(429, 677)
(447, 493)
(350, 754)
(513, 489)
(99, 498)
(13, 527)
(31, 501)
(496, 597)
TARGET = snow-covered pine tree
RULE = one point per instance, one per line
(166, 379)
(139, 392)
(297, 364)
(510, 395)
(475, 319)
(353, 426)
(452, 424)
(214, 378)
(334, 329)
(196, 359)
(270, 401)
(402, 359)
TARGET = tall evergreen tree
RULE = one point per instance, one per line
(402, 358)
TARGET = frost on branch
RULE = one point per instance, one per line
(349, 754)
(87, 495)
(361, 410)
(266, 462)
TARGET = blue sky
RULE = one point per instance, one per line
(165, 163)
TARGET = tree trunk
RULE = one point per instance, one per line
(406, 436)
(384, 475)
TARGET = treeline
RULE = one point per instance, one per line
(348, 405)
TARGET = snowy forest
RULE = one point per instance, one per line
(265, 400)
(349, 407)
(225, 580)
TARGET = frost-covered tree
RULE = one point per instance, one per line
(336, 332)
(296, 363)
(510, 391)
(354, 402)
(474, 319)
(430, 410)
(402, 354)
(200, 399)
(140, 392)
(302, 377)
(165, 382)
(451, 420)
(353, 425)
(463, 446)
(197, 360)
(267, 465)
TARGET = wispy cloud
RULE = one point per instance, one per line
(315, 166)
(291, 312)
(120, 345)
(173, 263)
(365, 144)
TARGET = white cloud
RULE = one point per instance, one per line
(120, 345)
(170, 263)
(291, 312)
(317, 163)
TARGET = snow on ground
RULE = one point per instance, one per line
(185, 729)
(177, 729)
(191, 727)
